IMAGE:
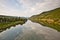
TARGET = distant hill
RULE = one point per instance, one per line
(49, 18)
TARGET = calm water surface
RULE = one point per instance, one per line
(30, 31)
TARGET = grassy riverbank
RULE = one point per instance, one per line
(8, 21)
(50, 19)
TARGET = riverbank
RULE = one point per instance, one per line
(8, 21)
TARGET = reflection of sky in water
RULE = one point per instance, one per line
(11, 33)
(30, 31)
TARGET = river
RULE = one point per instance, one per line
(30, 31)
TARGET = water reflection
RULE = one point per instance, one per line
(11, 33)
(3, 29)
(30, 31)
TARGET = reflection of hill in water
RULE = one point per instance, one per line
(34, 31)
(30, 31)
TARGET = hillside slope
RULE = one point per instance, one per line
(48, 18)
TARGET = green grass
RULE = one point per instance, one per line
(50, 19)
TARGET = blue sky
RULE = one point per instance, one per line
(26, 8)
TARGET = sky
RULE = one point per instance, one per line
(26, 8)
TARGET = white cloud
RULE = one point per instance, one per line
(29, 7)
(41, 6)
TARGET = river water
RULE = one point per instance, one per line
(30, 31)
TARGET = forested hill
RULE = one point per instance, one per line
(11, 18)
(48, 18)
(8, 21)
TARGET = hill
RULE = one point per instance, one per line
(49, 18)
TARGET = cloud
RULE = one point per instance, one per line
(38, 6)
(27, 7)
